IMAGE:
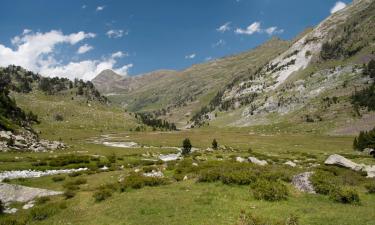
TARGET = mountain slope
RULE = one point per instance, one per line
(178, 93)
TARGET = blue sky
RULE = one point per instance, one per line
(138, 36)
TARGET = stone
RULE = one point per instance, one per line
(257, 161)
(154, 174)
(18, 193)
(170, 157)
(28, 205)
(240, 159)
(185, 178)
(339, 160)
(290, 163)
(302, 182)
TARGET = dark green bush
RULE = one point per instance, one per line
(251, 219)
(58, 178)
(75, 174)
(345, 195)
(69, 194)
(137, 181)
(42, 200)
(43, 212)
(69, 159)
(102, 194)
(269, 190)
(2, 207)
(370, 187)
(324, 182)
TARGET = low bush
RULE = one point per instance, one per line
(58, 178)
(251, 219)
(69, 159)
(269, 190)
(370, 187)
(68, 194)
(2, 207)
(137, 181)
(75, 174)
(42, 200)
(43, 212)
(102, 194)
(345, 195)
(39, 163)
(324, 182)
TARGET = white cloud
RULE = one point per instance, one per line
(256, 28)
(251, 29)
(84, 6)
(116, 33)
(219, 43)
(224, 27)
(84, 48)
(191, 56)
(100, 8)
(273, 30)
(37, 52)
(119, 54)
(338, 6)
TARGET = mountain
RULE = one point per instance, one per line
(106, 80)
(308, 82)
(175, 94)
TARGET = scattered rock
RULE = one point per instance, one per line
(170, 157)
(185, 178)
(302, 182)
(28, 205)
(14, 174)
(342, 161)
(240, 159)
(290, 163)
(27, 141)
(339, 160)
(154, 174)
(18, 193)
(10, 210)
(257, 161)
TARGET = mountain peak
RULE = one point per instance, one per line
(107, 75)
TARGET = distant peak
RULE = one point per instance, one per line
(106, 75)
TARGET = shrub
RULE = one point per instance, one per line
(69, 194)
(75, 174)
(345, 195)
(324, 182)
(186, 146)
(370, 187)
(269, 190)
(214, 144)
(59, 117)
(112, 158)
(250, 219)
(79, 181)
(102, 194)
(58, 178)
(43, 212)
(39, 163)
(42, 200)
(2, 207)
(137, 181)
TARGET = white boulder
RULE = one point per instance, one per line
(257, 161)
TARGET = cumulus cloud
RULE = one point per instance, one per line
(84, 48)
(273, 30)
(256, 28)
(224, 27)
(37, 52)
(338, 6)
(251, 29)
(100, 8)
(191, 56)
(116, 33)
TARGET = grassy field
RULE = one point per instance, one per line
(179, 201)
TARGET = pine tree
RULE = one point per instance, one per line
(214, 144)
(355, 144)
(186, 146)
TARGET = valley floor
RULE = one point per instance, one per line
(188, 201)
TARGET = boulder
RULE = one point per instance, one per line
(18, 193)
(154, 174)
(290, 163)
(339, 160)
(302, 182)
(257, 161)
(240, 159)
